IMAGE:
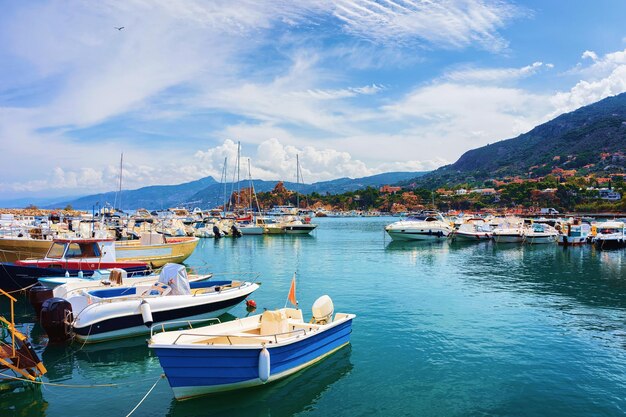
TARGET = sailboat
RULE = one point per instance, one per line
(295, 225)
(248, 224)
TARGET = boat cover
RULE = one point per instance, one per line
(175, 276)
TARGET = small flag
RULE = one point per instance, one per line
(292, 292)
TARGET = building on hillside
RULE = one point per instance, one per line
(388, 189)
(461, 191)
(484, 191)
(609, 195)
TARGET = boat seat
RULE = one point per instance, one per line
(274, 322)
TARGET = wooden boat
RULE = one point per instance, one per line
(153, 248)
(156, 249)
(251, 351)
(102, 314)
(66, 257)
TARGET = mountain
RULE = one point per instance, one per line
(570, 141)
(152, 197)
(213, 195)
(208, 193)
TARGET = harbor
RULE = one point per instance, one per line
(465, 328)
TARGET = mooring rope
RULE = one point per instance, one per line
(145, 396)
(56, 384)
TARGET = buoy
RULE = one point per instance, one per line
(146, 313)
(251, 303)
(264, 365)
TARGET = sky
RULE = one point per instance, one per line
(354, 87)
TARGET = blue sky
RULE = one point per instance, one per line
(355, 87)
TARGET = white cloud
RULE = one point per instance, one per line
(494, 75)
(447, 23)
(605, 77)
(590, 54)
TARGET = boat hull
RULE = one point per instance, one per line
(106, 321)
(540, 240)
(508, 238)
(301, 229)
(251, 230)
(423, 235)
(195, 371)
(471, 237)
(16, 249)
(571, 241)
(16, 277)
(175, 250)
(609, 243)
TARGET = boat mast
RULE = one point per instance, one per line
(297, 183)
(121, 172)
(224, 184)
(238, 172)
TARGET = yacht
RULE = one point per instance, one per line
(425, 225)
(610, 235)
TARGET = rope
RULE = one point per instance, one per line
(23, 289)
(146, 396)
(55, 384)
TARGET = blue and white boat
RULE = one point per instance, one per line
(100, 314)
(250, 351)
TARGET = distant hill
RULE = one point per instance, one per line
(213, 195)
(152, 197)
(208, 193)
(570, 141)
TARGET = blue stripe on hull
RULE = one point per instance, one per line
(211, 368)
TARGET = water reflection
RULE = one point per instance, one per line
(287, 397)
(28, 402)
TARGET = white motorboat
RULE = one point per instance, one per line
(96, 315)
(473, 231)
(610, 235)
(540, 233)
(509, 231)
(425, 225)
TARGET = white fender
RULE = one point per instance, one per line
(146, 313)
(80, 274)
(264, 365)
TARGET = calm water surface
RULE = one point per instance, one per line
(441, 330)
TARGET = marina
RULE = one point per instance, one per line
(466, 328)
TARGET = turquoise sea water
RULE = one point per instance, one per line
(441, 330)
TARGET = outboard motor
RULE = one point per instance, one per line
(322, 310)
(56, 317)
(216, 232)
(37, 295)
(235, 232)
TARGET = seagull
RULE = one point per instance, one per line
(119, 28)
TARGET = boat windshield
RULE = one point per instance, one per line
(56, 251)
(82, 250)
